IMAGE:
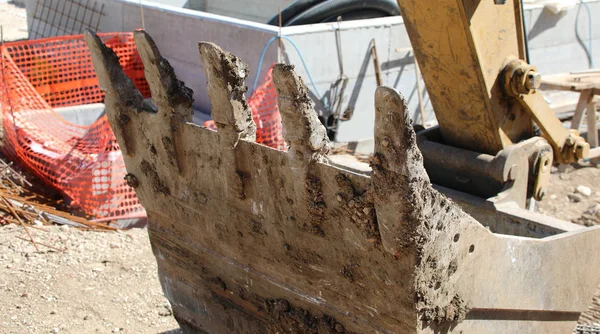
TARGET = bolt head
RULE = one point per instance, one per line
(533, 80)
(582, 150)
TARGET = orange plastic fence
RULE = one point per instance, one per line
(263, 103)
(84, 162)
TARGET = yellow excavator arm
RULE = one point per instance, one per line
(472, 56)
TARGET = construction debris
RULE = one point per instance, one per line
(8, 177)
(346, 150)
(76, 156)
(18, 206)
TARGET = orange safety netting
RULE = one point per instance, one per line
(263, 104)
(84, 162)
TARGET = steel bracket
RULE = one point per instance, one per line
(515, 174)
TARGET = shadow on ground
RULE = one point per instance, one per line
(173, 331)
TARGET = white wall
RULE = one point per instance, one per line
(318, 46)
(256, 10)
(552, 43)
(259, 11)
(177, 32)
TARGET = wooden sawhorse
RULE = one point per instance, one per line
(587, 83)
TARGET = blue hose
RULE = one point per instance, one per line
(588, 49)
(262, 56)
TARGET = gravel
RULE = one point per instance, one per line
(573, 195)
(105, 282)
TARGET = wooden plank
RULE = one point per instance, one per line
(592, 137)
(584, 99)
(573, 82)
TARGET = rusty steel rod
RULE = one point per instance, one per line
(20, 222)
(43, 244)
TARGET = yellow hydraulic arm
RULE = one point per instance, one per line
(471, 53)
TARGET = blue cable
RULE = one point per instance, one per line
(260, 61)
(588, 49)
(262, 56)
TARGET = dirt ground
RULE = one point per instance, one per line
(105, 282)
(565, 201)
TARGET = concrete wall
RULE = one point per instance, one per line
(319, 49)
(553, 47)
(177, 32)
(255, 10)
(259, 11)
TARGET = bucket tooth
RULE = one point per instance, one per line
(170, 95)
(415, 220)
(303, 131)
(225, 75)
(307, 139)
(166, 89)
(399, 179)
(120, 91)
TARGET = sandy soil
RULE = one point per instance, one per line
(105, 282)
(565, 201)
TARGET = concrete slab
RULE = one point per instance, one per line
(83, 115)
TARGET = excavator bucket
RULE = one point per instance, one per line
(249, 239)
